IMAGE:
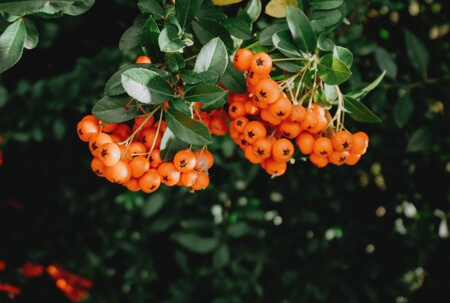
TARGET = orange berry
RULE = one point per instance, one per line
(109, 153)
(150, 181)
(185, 160)
(321, 125)
(338, 157)
(151, 138)
(252, 78)
(298, 113)
(250, 156)
(201, 182)
(169, 173)
(146, 120)
(281, 108)
(97, 140)
(98, 167)
(132, 184)
(274, 168)
(107, 127)
(261, 63)
(122, 131)
(309, 121)
(155, 158)
(87, 127)
(236, 109)
(143, 59)
(188, 178)
(305, 142)
(269, 118)
(254, 130)
(251, 108)
(360, 142)
(322, 146)
(352, 159)
(218, 126)
(118, 173)
(139, 165)
(205, 160)
(289, 129)
(242, 59)
(262, 148)
(267, 91)
(239, 124)
(317, 160)
(282, 150)
(342, 140)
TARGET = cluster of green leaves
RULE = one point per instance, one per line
(19, 32)
(300, 44)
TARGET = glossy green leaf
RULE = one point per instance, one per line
(205, 93)
(238, 28)
(12, 42)
(130, 38)
(213, 56)
(265, 37)
(420, 140)
(234, 80)
(417, 52)
(386, 62)
(326, 4)
(331, 70)
(344, 55)
(169, 41)
(207, 30)
(186, 11)
(209, 77)
(146, 86)
(153, 204)
(358, 95)
(329, 14)
(282, 40)
(359, 112)
(301, 30)
(175, 62)
(151, 7)
(187, 129)
(402, 110)
(69, 7)
(148, 39)
(190, 77)
(194, 242)
(253, 9)
(180, 105)
(32, 35)
(115, 109)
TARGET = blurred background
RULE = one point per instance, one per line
(374, 232)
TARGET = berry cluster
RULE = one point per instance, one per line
(267, 124)
(130, 155)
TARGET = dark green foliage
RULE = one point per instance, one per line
(368, 233)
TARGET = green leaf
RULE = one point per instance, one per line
(301, 30)
(238, 229)
(420, 140)
(331, 70)
(175, 62)
(403, 109)
(207, 30)
(180, 105)
(115, 109)
(417, 52)
(151, 7)
(190, 77)
(238, 28)
(282, 40)
(148, 39)
(130, 38)
(205, 93)
(12, 42)
(234, 80)
(186, 10)
(359, 112)
(146, 86)
(153, 204)
(187, 129)
(213, 56)
(194, 242)
(113, 86)
(344, 55)
(69, 7)
(358, 95)
(170, 145)
(326, 4)
(209, 77)
(329, 14)
(169, 41)
(32, 35)
(253, 9)
(265, 37)
(386, 62)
